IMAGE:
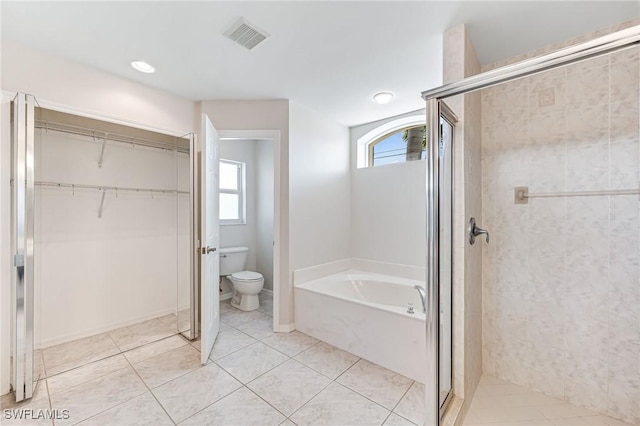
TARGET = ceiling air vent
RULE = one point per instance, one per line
(246, 34)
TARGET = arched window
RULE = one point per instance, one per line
(387, 144)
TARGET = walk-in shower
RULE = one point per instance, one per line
(564, 127)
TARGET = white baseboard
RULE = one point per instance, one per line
(267, 291)
(285, 328)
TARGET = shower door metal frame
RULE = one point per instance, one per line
(23, 202)
(434, 98)
(448, 116)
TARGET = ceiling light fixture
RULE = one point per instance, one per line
(142, 66)
(383, 97)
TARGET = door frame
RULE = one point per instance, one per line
(278, 243)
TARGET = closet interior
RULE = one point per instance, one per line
(112, 234)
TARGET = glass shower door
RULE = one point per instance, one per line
(23, 376)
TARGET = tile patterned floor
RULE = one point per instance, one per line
(74, 354)
(499, 403)
(254, 377)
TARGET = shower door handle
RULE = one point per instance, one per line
(207, 249)
(475, 231)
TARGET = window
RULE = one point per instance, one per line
(394, 147)
(232, 192)
(385, 144)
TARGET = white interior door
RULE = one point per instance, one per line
(209, 237)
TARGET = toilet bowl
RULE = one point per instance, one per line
(246, 286)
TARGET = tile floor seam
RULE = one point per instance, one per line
(350, 367)
(46, 384)
(274, 348)
(91, 379)
(310, 399)
(255, 378)
(114, 340)
(112, 407)
(320, 372)
(230, 353)
(150, 391)
(156, 356)
(393, 410)
(44, 365)
(81, 366)
(367, 398)
(267, 402)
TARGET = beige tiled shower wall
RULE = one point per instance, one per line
(561, 279)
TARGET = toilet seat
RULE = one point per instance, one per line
(247, 276)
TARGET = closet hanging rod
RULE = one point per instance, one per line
(522, 195)
(109, 188)
(116, 137)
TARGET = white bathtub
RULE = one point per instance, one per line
(366, 314)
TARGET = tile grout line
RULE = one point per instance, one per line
(257, 377)
(46, 384)
(150, 391)
(311, 368)
(399, 401)
(140, 377)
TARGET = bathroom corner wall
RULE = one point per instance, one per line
(460, 61)
(320, 188)
(388, 206)
(561, 283)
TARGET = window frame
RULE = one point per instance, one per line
(382, 131)
(241, 192)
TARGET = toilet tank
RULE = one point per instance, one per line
(233, 259)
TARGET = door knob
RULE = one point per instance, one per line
(207, 249)
(475, 231)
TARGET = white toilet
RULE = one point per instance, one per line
(246, 284)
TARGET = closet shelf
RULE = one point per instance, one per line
(104, 189)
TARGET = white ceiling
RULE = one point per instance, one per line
(331, 56)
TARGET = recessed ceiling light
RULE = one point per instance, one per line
(142, 66)
(382, 97)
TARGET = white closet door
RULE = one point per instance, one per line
(210, 237)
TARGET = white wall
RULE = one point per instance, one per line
(70, 85)
(320, 188)
(264, 211)
(242, 235)
(388, 213)
(245, 234)
(75, 88)
(95, 274)
(388, 207)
